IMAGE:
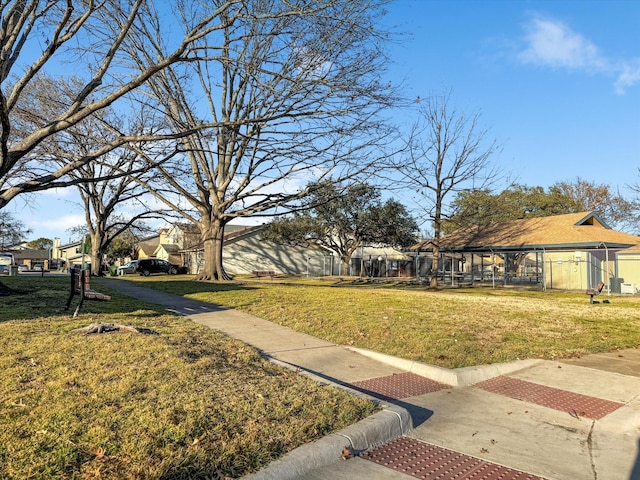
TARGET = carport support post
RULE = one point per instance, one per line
(608, 275)
(452, 277)
(493, 269)
(607, 267)
(544, 270)
(472, 259)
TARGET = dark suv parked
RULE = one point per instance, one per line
(152, 265)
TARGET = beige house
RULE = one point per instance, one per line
(245, 251)
(175, 239)
(147, 246)
(571, 252)
(68, 254)
(628, 262)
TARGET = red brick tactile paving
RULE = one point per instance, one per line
(429, 462)
(574, 403)
(400, 385)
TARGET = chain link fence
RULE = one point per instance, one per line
(556, 269)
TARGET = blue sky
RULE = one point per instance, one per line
(557, 83)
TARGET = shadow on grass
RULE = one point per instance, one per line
(181, 286)
(34, 297)
(172, 293)
(42, 297)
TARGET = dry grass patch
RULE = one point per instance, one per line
(450, 328)
(184, 402)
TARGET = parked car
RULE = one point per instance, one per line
(23, 268)
(37, 268)
(148, 266)
(129, 267)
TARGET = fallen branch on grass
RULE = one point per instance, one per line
(111, 327)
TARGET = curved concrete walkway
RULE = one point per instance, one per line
(572, 420)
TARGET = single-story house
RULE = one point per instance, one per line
(31, 257)
(572, 252)
(379, 261)
(245, 251)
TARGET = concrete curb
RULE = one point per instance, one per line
(373, 431)
(459, 377)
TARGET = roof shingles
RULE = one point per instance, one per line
(582, 229)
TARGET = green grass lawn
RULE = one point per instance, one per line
(183, 402)
(450, 328)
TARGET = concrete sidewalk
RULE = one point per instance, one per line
(578, 419)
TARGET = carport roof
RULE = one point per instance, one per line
(584, 230)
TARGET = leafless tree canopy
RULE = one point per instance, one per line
(42, 41)
(448, 152)
(283, 95)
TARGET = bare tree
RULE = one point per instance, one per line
(12, 230)
(42, 39)
(448, 153)
(112, 199)
(589, 196)
(112, 207)
(293, 93)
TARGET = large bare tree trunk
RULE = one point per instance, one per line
(277, 111)
(345, 265)
(213, 241)
(96, 256)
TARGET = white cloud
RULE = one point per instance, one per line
(552, 43)
(62, 222)
(629, 76)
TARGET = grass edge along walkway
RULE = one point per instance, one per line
(183, 402)
(449, 328)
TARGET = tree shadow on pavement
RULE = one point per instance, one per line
(418, 414)
(635, 473)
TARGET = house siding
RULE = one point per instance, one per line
(629, 268)
(251, 253)
(245, 252)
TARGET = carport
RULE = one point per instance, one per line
(570, 252)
